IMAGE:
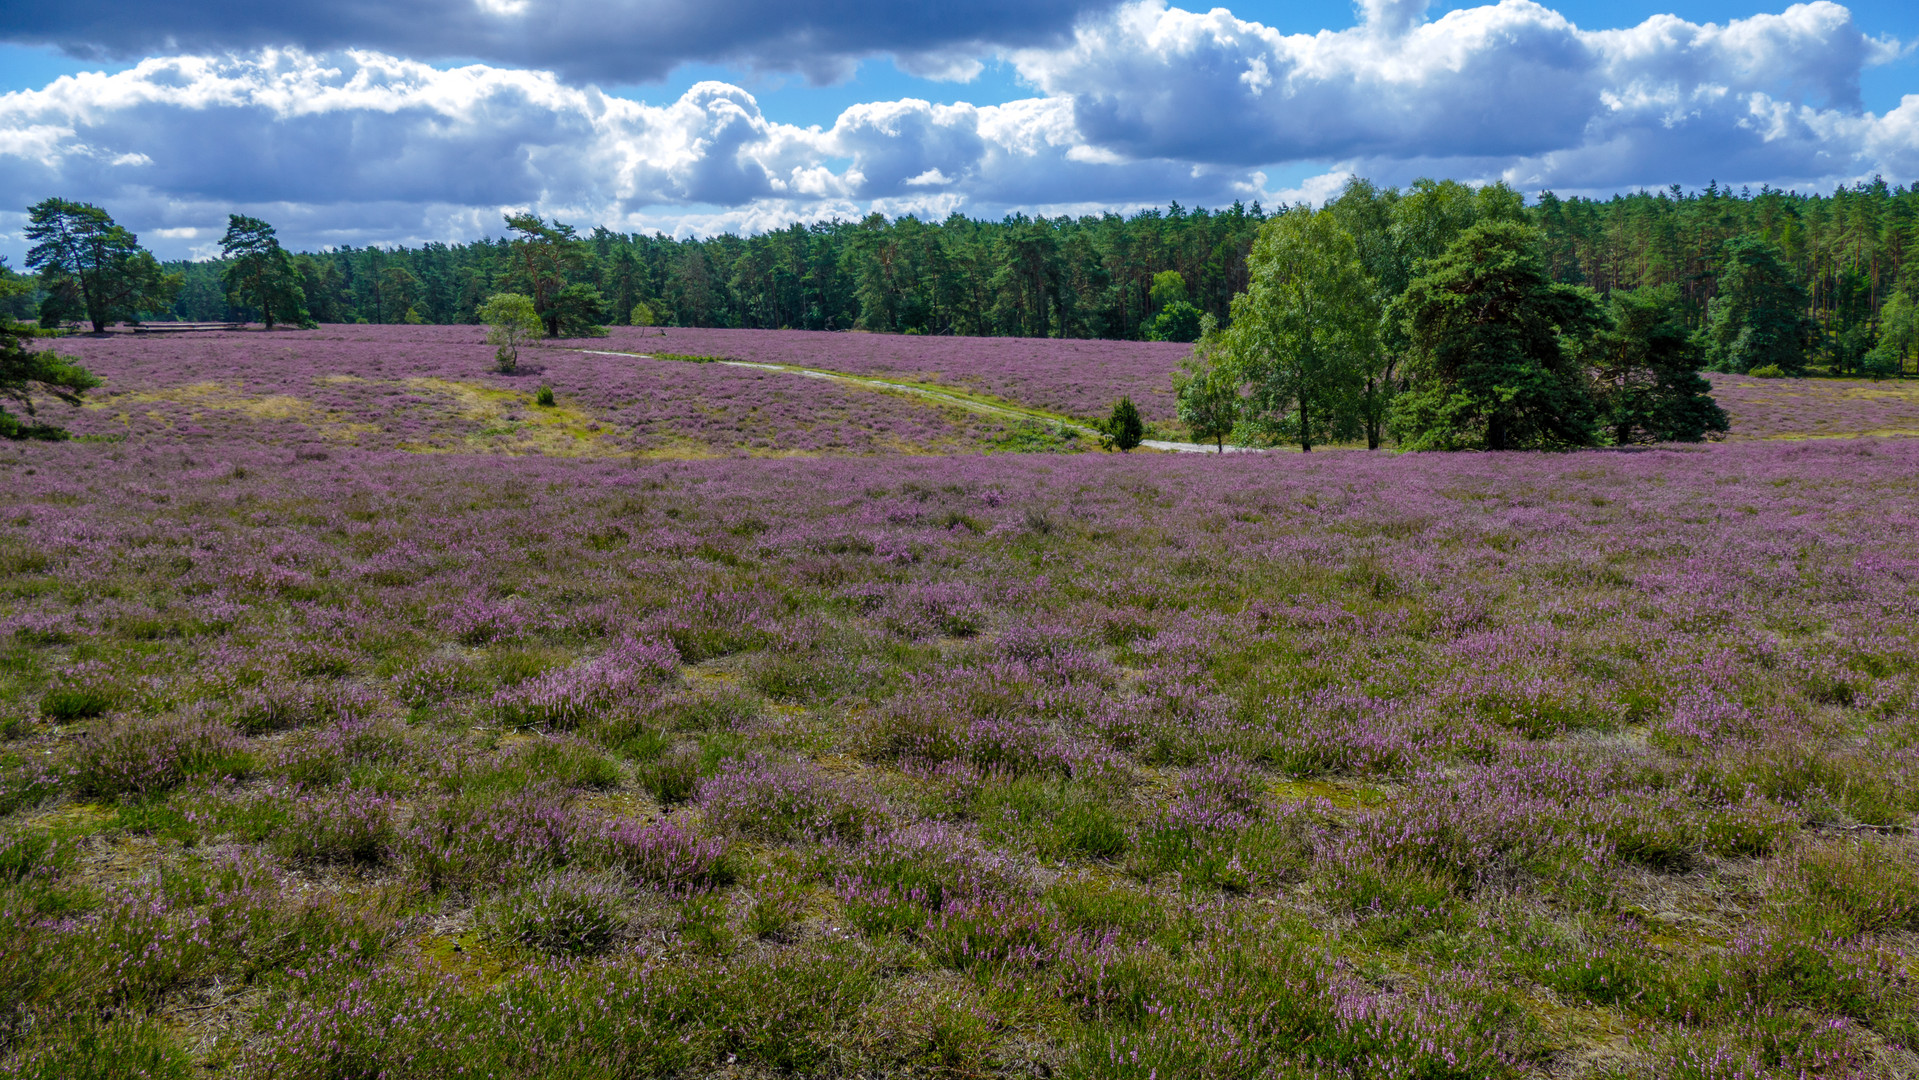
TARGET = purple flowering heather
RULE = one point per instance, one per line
(329, 648)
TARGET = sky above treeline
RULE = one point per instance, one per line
(404, 121)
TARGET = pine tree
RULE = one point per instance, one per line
(1646, 373)
(261, 272)
(24, 372)
(1758, 320)
(1490, 367)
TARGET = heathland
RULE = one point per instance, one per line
(365, 717)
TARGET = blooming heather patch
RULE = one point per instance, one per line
(402, 764)
(1074, 377)
(1817, 408)
(619, 678)
(433, 390)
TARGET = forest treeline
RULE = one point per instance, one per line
(1094, 276)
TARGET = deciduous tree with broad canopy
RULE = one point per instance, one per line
(510, 319)
(1305, 332)
(1207, 391)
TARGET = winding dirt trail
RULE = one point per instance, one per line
(1010, 412)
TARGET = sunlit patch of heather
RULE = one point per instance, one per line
(783, 801)
(1477, 834)
(81, 691)
(996, 936)
(336, 825)
(543, 762)
(563, 914)
(27, 784)
(705, 625)
(666, 851)
(144, 755)
(1296, 1015)
(1333, 731)
(32, 855)
(488, 841)
(476, 620)
(1225, 793)
(623, 677)
(282, 706)
(328, 755)
(950, 609)
(787, 1011)
(891, 882)
(434, 681)
(1534, 706)
(1849, 886)
(135, 1047)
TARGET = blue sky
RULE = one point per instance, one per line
(356, 121)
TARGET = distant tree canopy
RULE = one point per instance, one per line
(1490, 365)
(1758, 319)
(1645, 370)
(261, 273)
(91, 268)
(1093, 276)
(1305, 332)
(1349, 327)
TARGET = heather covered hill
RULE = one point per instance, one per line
(1079, 378)
(1817, 408)
(428, 388)
(1438, 765)
(432, 389)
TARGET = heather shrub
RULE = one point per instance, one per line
(83, 1048)
(1767, 1044)
(1056, 819)
(776, 909)
(285, 705)
(705, 923)
(995, 936)
(82, 691)
(550, 762)
(665, 851)
(488, 839)
(671, 777)
(722, 709)
(563, 914)
(1268, 1009)
(707, 625)
(144, 755)
(621, 678)
(890, 883)
(1846, 887)
(367, 751)
(435, 681)
(951, 609)
(30, 853)
(1216, 832)
(343, 825)
(1099, 907)
(786, 801)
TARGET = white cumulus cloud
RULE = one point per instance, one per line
(1141, 105)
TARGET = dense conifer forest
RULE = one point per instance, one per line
(1093, 276)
